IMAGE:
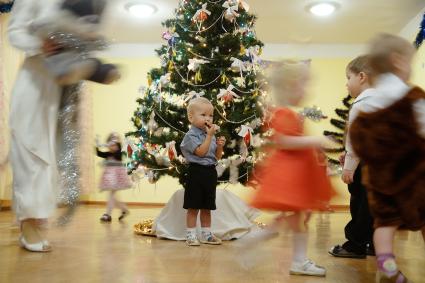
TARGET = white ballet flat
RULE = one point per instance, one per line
(40, 247)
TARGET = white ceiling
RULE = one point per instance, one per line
(280, 21)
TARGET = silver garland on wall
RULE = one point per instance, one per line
(68, 138)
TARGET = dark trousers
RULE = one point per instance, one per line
(359, 231)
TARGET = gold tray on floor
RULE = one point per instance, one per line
(144, 228)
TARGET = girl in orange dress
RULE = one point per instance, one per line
(292, 178)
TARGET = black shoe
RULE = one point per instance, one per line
(106, 218)
(339, 251)
(124, 214)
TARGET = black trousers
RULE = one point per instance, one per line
(359, 231)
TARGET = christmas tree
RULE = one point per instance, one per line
(338, 136)
(212, 51)
(421, 34)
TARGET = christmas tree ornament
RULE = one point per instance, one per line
(240, 82)
(237, 66)
(227, 95)
(243, 5)
(246, 133)
(201, 15)
(171, 148)
(243, 149)
(222, 165)
(164, 81)
(253, 53)
(193, 94)
(231, 10)
(235, 161)
(195, 64)
(152, 124)
(158, 132)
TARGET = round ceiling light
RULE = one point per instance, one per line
(141, 10)
(322, 9)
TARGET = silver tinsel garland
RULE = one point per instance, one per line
(73, 42)
(313, 113)
(69, 137)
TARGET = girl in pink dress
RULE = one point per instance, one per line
(114, 177)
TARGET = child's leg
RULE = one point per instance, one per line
(111, 203)
(109, 206)
(300, 237)
(387, 268)
(300, 264)
(191, 216)
(206, 236)
(119, 204)
(191, 237)
(205, 218)
(383, 239)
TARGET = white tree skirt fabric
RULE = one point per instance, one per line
(232, 219)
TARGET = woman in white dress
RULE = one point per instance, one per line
(34, 108)
(231, 220)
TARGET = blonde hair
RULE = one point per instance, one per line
(381, 49)
(360, 64)
(281, 77)
(195, 102)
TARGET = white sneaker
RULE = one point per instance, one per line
(192, 240)
(210, 239)
(307, 267)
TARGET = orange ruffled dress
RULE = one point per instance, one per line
(291, 180)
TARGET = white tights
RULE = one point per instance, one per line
(114, 202)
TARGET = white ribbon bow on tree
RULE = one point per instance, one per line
(254, 53)
(238, 65)
(231, 10)
(193, 94)
(195, 64)
(227, 94)
(164, 80)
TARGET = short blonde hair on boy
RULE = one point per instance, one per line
(381, 49)
(282, 75)
(195, 102)
(360, 64)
